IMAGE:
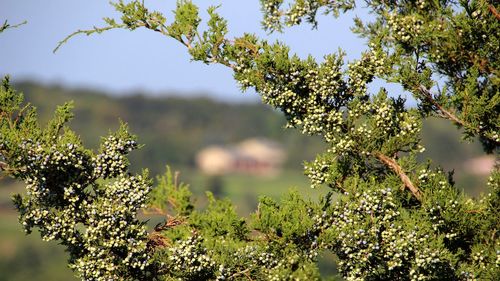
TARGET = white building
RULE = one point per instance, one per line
(253, 156)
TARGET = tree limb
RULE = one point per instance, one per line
(450, 116)
(243, 272)
(6, 25)
(399, 171)
(494, 11)
(169, 223)
(445, 113)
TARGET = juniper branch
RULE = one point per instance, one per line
(87, 32)
(391, 163)
(443, 112)
(448, 115)
(494, 11)
(6, 25)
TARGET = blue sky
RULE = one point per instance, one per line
(122, 62)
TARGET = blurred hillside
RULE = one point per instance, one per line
(173, 129)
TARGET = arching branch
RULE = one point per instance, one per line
(391, 163)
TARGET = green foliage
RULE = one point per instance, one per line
(395, 218)
(87, 201)
(170, 196)
(276, 17)
(185, 23)
(219, 219)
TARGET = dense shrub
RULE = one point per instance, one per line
(393, 218)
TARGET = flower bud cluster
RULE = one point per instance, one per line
(435, 217)
(405, 28)
(368, 228)
(394, 122)
(253, 258)
(97, 223)
(318, 171)
(275, 17)
(257, 256)
(283, 271)
(189, 260)
(272, 14)
(298, 10)
(113, 231)
(317, 100)
(362, 243)
(112, 160)
(326, 81)
(427, 261)
(54, 176)
(129, 191)
(422, 4)
(362, 72)
(311, 97)
(41, 162)
(384, 117)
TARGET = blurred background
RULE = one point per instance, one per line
(188, 115)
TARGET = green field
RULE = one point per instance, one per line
(26, 258)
